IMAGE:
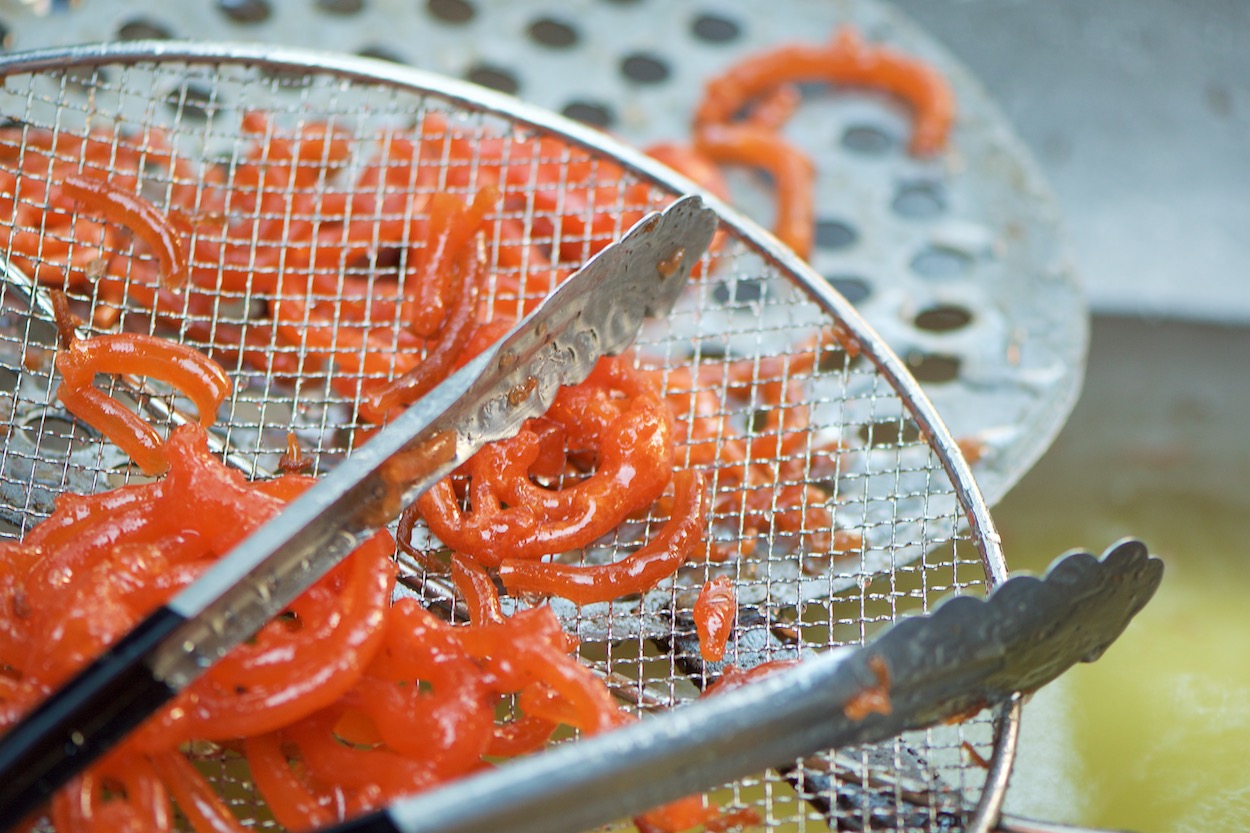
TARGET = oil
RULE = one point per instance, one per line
(1153, 736)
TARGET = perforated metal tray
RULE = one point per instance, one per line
(959, 263)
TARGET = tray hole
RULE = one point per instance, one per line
(739, 293)
(589, 112)
(933, 368)
(919, 201)
(709, 351)
(282, 78)
(835, 234)
(834, 360)
(868, 140)
(645, 69)
(553, 33)
(712, 28)
(854, 289)
(381, 53)
(141, 28)
(57, 435)
(195, 103)
(757, 421)
(127, 474)
(497, 78)
(86, 78)
(451, 11)
(944, 318)
(889, 433)
(8, 528)
(245, 11)
(940, 263)
(344, 7)
(40, 333)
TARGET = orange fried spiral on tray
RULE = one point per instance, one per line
(740, 118)
(618, 420)
(845, 60)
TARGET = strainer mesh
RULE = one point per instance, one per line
(893, 538)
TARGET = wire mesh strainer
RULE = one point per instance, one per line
(900, 522)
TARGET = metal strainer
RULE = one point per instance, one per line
(898, 496)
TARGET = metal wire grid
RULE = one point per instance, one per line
(883, 477)
(959, 263)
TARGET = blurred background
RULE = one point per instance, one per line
(1137, 113)
(1152, 737)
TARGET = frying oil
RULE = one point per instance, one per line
(1156, 730)
(1153, 736)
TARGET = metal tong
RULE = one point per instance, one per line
(967, 654)
(596, 312)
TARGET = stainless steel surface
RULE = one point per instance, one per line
(889, 470)
(930, 669)
(974, 232)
